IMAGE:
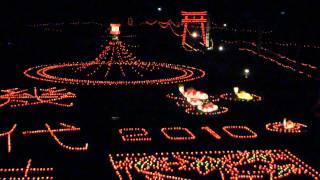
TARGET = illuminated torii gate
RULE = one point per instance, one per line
(194, 18)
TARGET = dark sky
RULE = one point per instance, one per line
(299, 14)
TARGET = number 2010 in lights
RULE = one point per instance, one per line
(184, 134)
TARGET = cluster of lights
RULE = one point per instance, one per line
(197, 103)
(6, 173)
(252, 134)
(240, 164)
(187, 20)
(114, 55)
(134, 134)
(164, 25)
(16, 97)
(240, 96)
(287, 126)
(57, 27)
(52, 132)
(55, 24)
(190, 136)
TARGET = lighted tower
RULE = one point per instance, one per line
(115, 30)
(199, 18)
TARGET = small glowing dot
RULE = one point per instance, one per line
(220, 48)
(194, 34)
(159, 9)
(247, 71)
(224, 25)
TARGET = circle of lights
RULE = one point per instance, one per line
(120, 57)
(43, 73)
(279, 127)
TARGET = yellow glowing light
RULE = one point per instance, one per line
(242, 94)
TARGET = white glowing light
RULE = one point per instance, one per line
(224, 25)
(159, 9)
(246, 72)
(220, 48)
(194, 34)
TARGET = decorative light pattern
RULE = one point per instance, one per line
(240, 96)
(115, 55)
(190, 136)
(287, 126)
(9, 134)
(172, 25)
(19, 98)
(135, 134)
(52, 132)
(197, 102)
(240, 164)
(252, 134)
(28, 173)
(282, 61)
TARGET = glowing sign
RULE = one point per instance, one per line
(115, 29)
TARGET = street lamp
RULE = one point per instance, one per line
(246, 72)
(220, 48)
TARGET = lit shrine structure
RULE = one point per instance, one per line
(195, 18)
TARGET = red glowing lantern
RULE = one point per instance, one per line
(115, 29)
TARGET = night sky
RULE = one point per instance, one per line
(300, 18)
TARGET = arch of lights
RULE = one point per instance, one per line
(115, 65)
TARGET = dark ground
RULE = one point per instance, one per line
(284, 93)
